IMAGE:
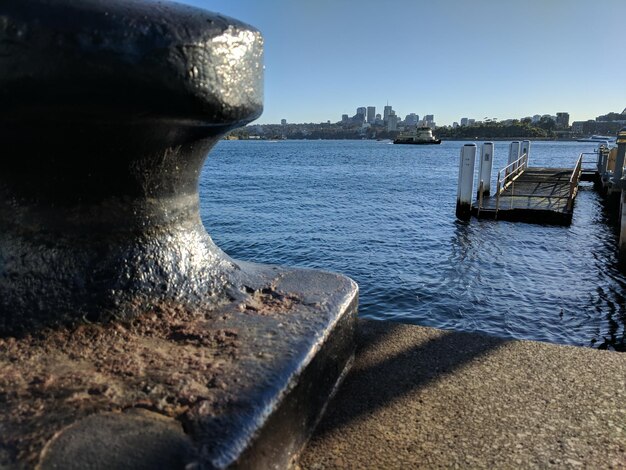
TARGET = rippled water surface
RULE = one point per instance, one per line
(384, 215)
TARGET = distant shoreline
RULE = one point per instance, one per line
(477, 139)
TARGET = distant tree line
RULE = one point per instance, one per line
(510, 129)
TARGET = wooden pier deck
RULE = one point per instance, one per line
(538, 195)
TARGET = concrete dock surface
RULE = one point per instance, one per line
(425, 398)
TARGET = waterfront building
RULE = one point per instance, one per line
(577, 127)
(371, 114)
(621, 117)
(562, 120)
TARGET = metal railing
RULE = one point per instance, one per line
(591, 164)
(508, 175)
(573, 182)
(481, 195)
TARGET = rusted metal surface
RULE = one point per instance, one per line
(245, 380)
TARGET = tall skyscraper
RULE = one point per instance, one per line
(386, 112)
(371, 114)
(392, 122)
(361, 114)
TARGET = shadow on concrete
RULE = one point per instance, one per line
(389, 365)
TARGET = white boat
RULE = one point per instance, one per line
(598, 139)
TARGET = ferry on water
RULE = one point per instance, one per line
(421, 136)
(598, 138)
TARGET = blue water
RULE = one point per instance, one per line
(384, 215)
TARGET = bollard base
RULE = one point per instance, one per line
(235, 385)
(463, 211)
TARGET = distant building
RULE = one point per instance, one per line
(471, 122)
(577, 127)
(464, 121)
(386, 112)
(411, 119)
(283, 122)
(429, 118)
(612, 117)
(562, 120)
(371, 114)
(392, 122)
(455, 125)
(345, 118)
(597, 127)
(361, 114)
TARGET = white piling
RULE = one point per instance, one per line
(513, 154)
(465, 188)
(485, 167)
(525, 149)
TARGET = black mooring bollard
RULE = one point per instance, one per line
(138, 342)
(108, 112)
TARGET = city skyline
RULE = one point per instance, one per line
(449, 58)
(372, 111)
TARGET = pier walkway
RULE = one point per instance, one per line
(420, 397)
(536, 195)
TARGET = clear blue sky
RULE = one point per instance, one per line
(450, 58)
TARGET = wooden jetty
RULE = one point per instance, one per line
(532, 194)
(542, 195)
(529, 194)
(536, 195)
